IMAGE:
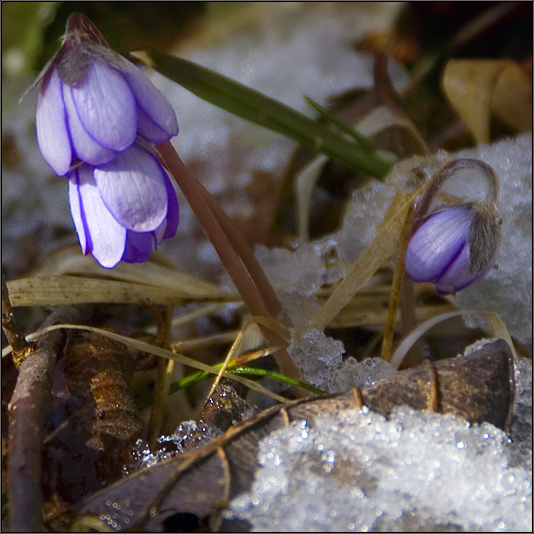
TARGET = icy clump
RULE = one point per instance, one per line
(507, 289)
(189, 434)
(317, 356)
(300, 272)
(355, 471)
(300, 309)
(360, 374)
(295, 275)
(145, 458)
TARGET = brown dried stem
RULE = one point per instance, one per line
(11, 329)
(396, 284)
(29, 410)
(407, 303)
(163, 377)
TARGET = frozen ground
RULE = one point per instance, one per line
(355, 471)
(418, 471)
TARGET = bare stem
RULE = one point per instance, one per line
(396, 291)
(414, 356)
(409, 321)
(29, 410)
(241, 264)
(164, 376)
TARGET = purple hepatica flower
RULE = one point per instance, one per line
(93, 103)
(122, 208)
(453, 247)
(97, 117)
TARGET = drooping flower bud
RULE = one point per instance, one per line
(453, 246)
(97, 119)
(93, 103)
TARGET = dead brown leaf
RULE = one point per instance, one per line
(476, 88)
(478, 387)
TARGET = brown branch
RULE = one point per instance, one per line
(29, 410)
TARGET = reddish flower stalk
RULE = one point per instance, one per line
(241, 264)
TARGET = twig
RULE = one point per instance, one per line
(164, 375)
(29, 410)
(11, 329)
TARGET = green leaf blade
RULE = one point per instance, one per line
(267, 112)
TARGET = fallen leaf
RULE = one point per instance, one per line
(478, 387)
(476, 88)
(95, 420)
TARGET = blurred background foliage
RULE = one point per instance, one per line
(31, 31)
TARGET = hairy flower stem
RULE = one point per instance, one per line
(439, 179)
(241, 264)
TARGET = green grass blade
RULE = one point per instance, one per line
(345, 128)
(276, 376)
(145, 400)
(260, 109)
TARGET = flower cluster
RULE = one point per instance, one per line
(98, 118)
(453, 247)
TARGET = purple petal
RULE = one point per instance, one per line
(156, 107)
(159, 234)
(108, 237)
(148, 129)
(77, 212)
(173, 211)
(86, 148)
(170, 224)
(134, 190)
(51, 124)
(106, 107)
(457, 275)
(138, 247)
(437, 242)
